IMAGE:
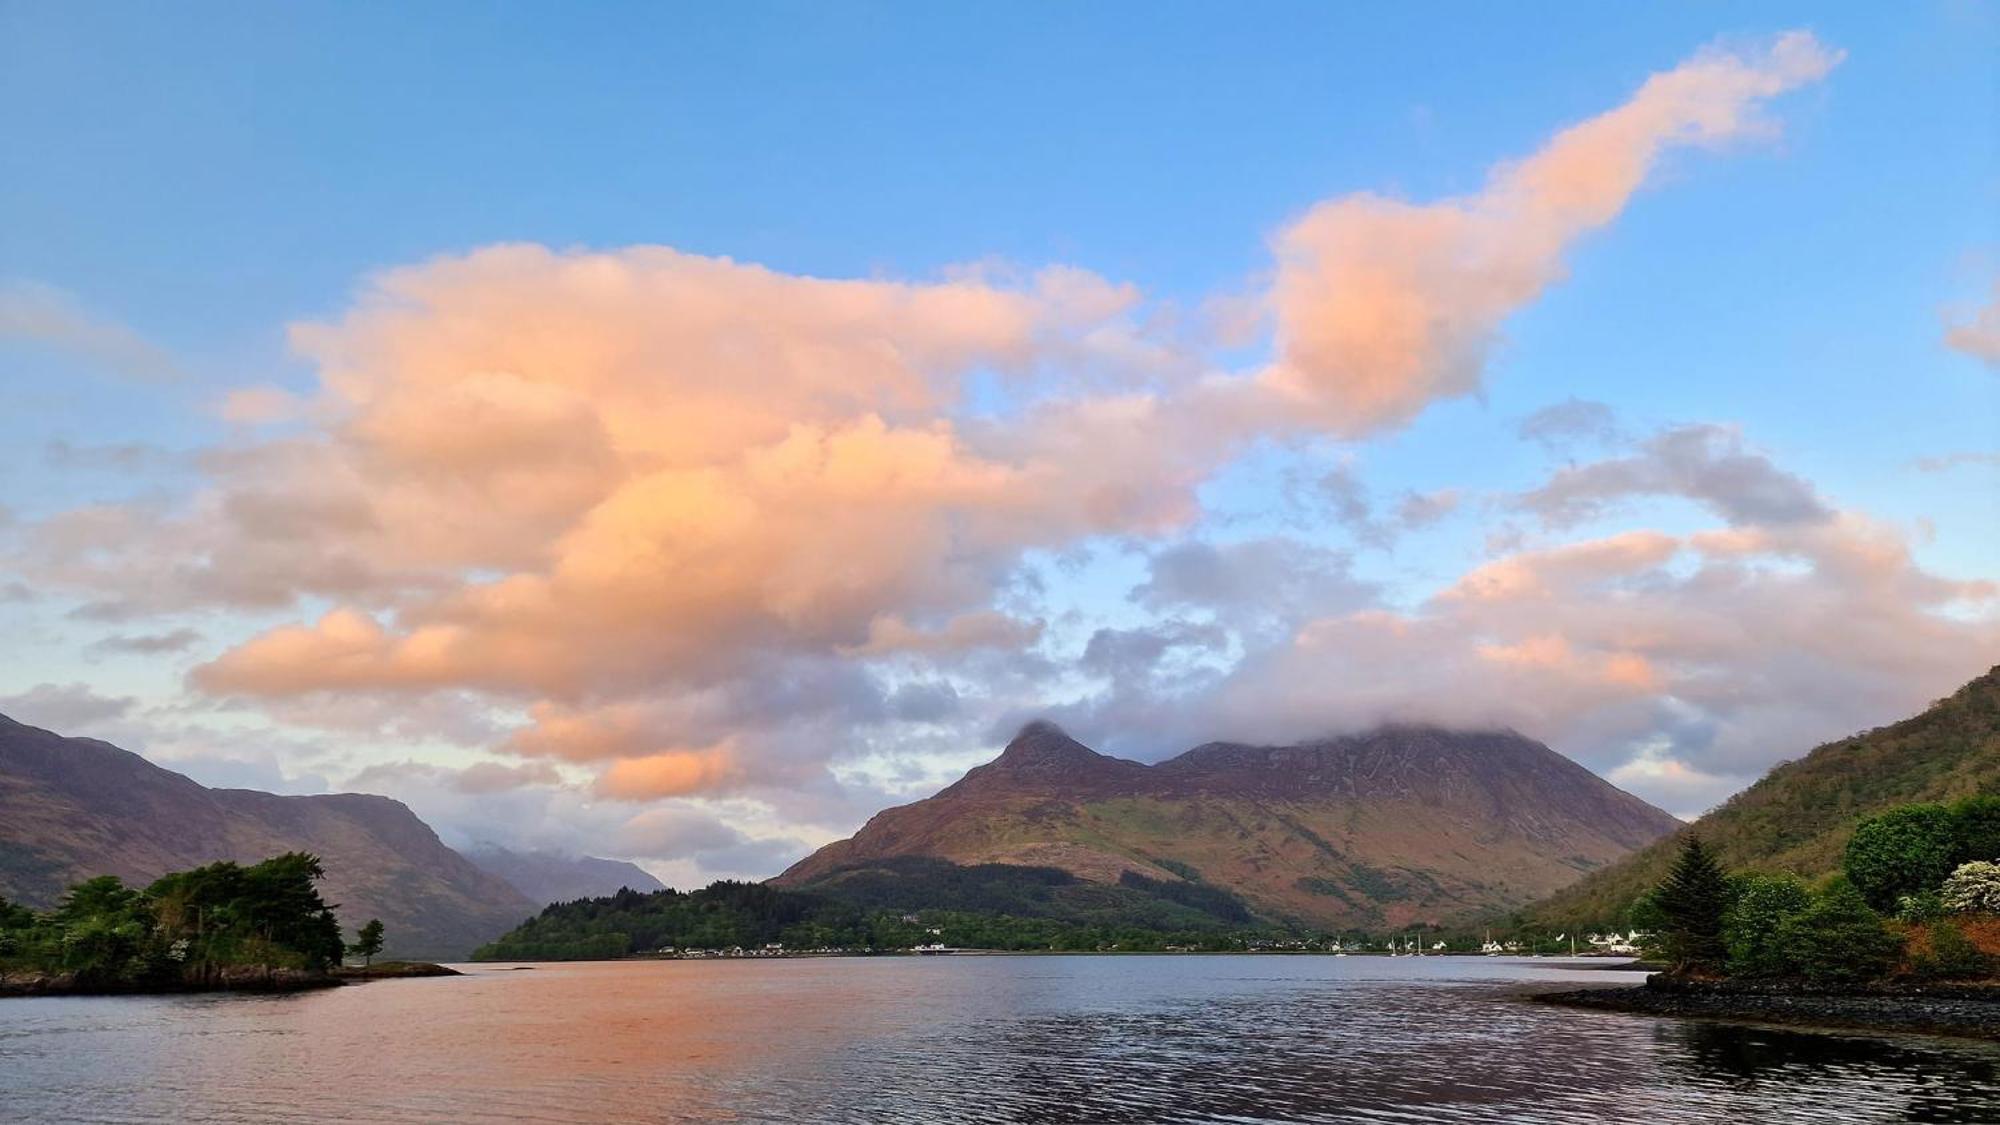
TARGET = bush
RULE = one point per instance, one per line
(1839, 939)
(1903, 851)
(1978, 828)
(1924, 906)
(1952, 956)
(1973, 889)
(1760, 906)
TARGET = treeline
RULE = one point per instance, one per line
(189, 928)
(991, 906)
(1914, 880)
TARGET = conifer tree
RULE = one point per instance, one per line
(1692, 900)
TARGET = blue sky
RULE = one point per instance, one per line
(205, 176)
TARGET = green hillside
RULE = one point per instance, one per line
(1798, 818)
(891, 904)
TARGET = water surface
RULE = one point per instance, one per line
(960, 1039)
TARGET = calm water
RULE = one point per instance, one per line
(972, 1039)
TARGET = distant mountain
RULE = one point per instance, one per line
(72, 808)
(1399, 825)
(546, 877)
(1798, 818)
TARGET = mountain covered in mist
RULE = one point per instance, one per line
(1399, 825)
(1798, 817)
(74, 808)
(546, 877)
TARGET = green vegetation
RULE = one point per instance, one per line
(1691, 902)
(1838, 939)
(188, 929)
(368, 942)
(1759, 908)
(894, 905)
(1902, 852)
(1800, 816)
(1904, 860)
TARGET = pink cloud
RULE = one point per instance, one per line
(1384, 306)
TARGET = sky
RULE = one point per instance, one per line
(676, 432)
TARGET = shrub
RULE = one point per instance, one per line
(1952, 956)
(1978, 828)
(1973, 889)
(1839, 939)
(1923, 906)
(1760, 906)
(1903, 851)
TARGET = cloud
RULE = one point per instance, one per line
(1273, 579)
(47, 316)
(1721, 651)
(695, 527)
(65, 708)
(1385, 306)
(149, 644)
(1707, 464)
(1562, 426)
(1979, 334)
(1949, 461)
(262, 405)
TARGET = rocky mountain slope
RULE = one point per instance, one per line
(546, 877)
(1798, 817)
(72, 808)
(1396, 826)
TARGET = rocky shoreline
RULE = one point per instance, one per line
(1963, 1010)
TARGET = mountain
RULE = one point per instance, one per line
(1399, 825)
(546, 877)
(1798, 817)
(72, 808)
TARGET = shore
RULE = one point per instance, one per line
(242, 978)
(1962, 1010)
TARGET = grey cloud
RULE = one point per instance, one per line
(149, 644)
(1573, 422)
(1704, 463)
(64, 708)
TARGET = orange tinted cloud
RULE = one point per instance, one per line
(1385, 306)
(1978, 335)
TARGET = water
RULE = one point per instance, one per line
(960, 1039)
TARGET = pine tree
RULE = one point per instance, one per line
(1692, 899)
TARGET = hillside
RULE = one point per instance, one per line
(545, 877)
(1798, 817)
(73, 808)
(1399, 825)
(895, 904)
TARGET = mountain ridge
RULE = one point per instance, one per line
(1379, 828)
(74, 808)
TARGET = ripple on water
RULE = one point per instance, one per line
(1014, 1039)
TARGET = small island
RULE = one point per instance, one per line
(1906, 937)
(222, 926)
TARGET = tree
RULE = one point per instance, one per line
(368, 942)
(1952, 955)
(1839, 939)
(1691, 902)
(1978, 828)
(1902, 851)
(1973, 889)
(1760, 906)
